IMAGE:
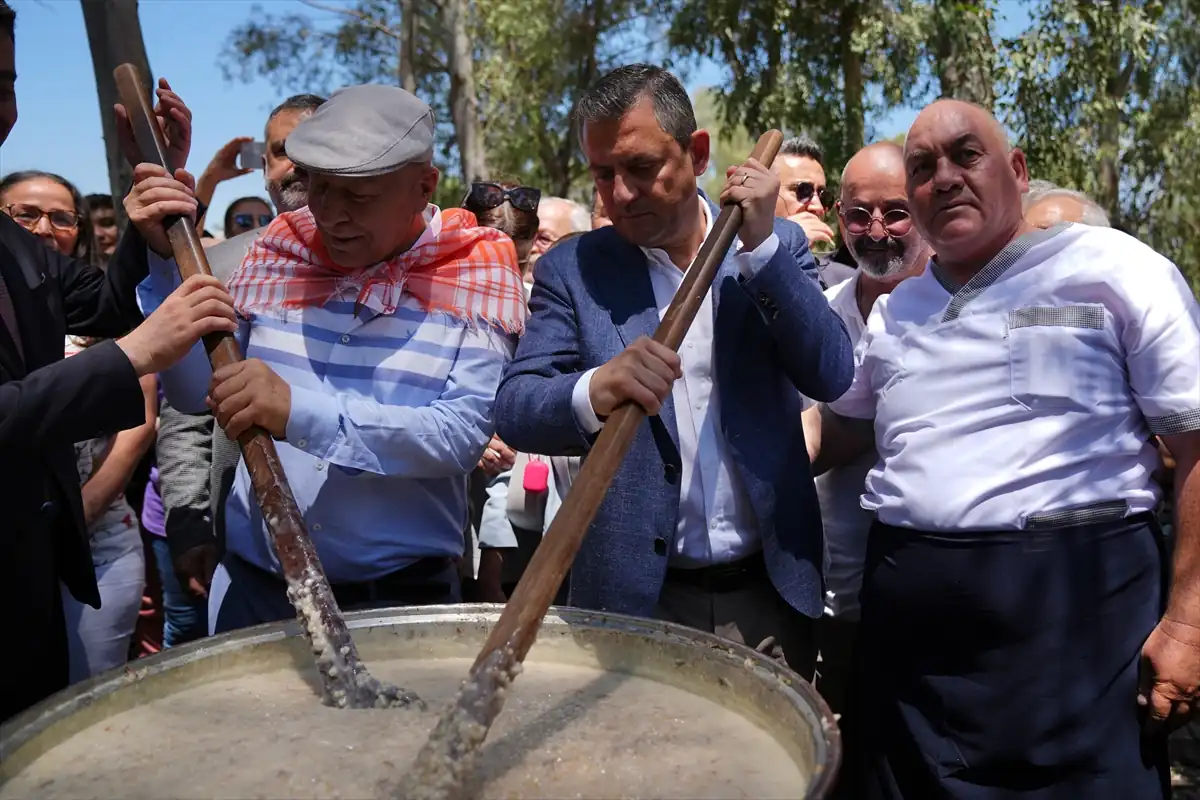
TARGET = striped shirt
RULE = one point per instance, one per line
(389, 415)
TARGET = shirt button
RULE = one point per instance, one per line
(713, 525)
(345, 338)
(302, 443)
(691, 345)
(320, 466)
(48, 509)
(316, 527)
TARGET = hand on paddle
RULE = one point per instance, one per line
(249, 393)
(154, 197)
(497, 458)
(200, 306)
(1169, 681)
(755, 188)
(194, 568)
(642, 373)
(175, 121)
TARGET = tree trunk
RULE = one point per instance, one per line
(114, 37)
(464, 103)
(965, 53)
(852, 80)
(408, 46)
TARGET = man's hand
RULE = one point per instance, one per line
(497, 458)
(1169, 682)
(247, 394)
(814, 228)
(641, 373)
(154, 197)
(194, 568)
(755, 188)
(223, 166)
(174, 120)
(197, 308)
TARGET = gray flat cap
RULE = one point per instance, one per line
(362, 131)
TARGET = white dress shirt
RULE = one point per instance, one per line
(1027, 397)
(846, 524)
(715, 524)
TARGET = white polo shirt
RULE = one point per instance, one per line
(1027, 397)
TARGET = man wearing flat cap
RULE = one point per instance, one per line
(376, 328)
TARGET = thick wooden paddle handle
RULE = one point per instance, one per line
(518, 625)
(262, 461)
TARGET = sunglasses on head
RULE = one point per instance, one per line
(858, 221)
(247, 220)
(491, 195)
(28, 217)
(804, 191)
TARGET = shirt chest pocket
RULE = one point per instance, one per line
(1062, 357)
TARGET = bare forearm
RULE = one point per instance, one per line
(113, 473)
(206, 186)
(841, 441)
(1183, 604)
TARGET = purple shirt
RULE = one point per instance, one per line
(154, 518)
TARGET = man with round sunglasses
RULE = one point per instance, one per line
(879, 233)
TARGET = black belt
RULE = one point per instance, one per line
(728, 577)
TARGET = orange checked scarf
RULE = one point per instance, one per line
(456, 267)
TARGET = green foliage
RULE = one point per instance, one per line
(1103, 97)
(533, 59)
(730, 143)
(829, 68)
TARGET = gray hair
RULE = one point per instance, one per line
(580, 217)
(1040, 190)
(804, 147)
(612, 97)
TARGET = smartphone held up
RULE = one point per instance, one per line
(250, 155)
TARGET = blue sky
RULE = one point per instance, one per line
(59, 125)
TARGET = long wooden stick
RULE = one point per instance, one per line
(344, 679)
(443, 764)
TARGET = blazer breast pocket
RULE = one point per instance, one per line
(1062, 357)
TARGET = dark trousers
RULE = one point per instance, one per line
(251, 596)
(738, 602)
(35, 631)
(1003, 664)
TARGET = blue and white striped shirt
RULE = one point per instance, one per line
(390, 413)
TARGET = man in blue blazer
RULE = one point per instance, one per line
(712, 520)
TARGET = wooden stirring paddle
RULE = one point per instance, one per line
(344, 679)
(444, 763)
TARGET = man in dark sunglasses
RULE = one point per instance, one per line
(804, 196)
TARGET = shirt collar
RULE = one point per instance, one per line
(1000, 262)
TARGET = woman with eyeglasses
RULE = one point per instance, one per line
(247, 214)
(50, 207)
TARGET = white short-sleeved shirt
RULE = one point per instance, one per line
(1027, 397)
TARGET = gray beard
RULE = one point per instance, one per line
(881, 265)
(292, 198)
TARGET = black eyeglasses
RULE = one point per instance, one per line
(28, 217)
(858, 221)
(804, 191)
(491, 195)
(247, 220)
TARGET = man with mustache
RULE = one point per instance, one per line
(711, 520)
(376, 327)
(879, 233)
(1016, 640)
(194, 455)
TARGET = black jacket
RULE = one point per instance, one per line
(47, 402)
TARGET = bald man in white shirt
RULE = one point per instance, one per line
(1014, 582)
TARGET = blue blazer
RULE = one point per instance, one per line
(775, 338)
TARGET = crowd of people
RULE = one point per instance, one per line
(920, 442)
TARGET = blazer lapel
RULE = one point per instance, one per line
(729, 304)
(11, 356)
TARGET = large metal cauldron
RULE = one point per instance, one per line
(736, 677)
